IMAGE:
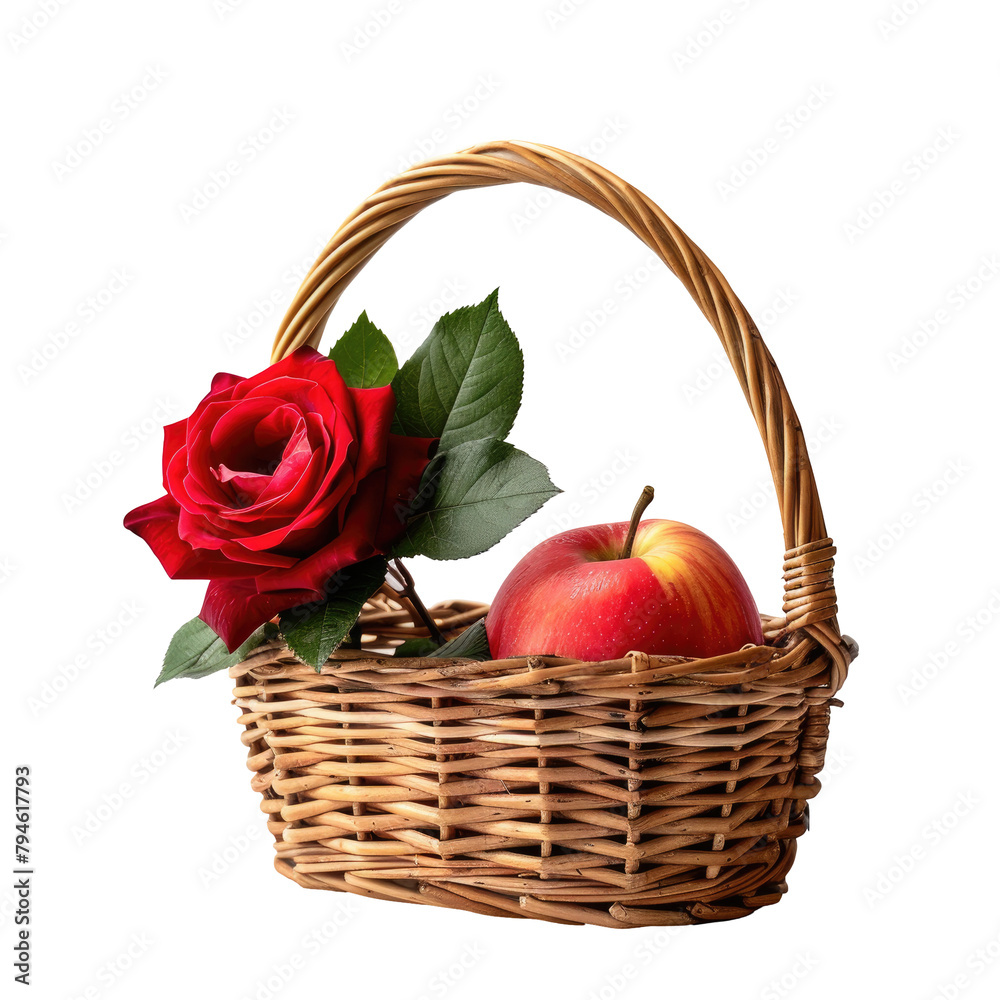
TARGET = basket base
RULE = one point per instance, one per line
(482, 895)
(641, 792)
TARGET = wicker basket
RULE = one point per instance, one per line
(633, 792)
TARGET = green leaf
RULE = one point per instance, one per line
(364, 356)
(313, 631)
(420, 646)
(471, 644)
(196, 651)
(479, 491)
(464, 381)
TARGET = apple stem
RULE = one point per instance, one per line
(645, 499)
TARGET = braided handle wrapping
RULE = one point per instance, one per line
(810, 599)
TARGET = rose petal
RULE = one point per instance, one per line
(234, 609)
(352, 544)
(373, 520)
(300, 364)
(260, 561)
(406, 460)
(223, 381)
(156, 524)
(374, 409)
(174, 438)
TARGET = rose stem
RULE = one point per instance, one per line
(418, 605)
(645, 499)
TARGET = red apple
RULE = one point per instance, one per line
(676, 593)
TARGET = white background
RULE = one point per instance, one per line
(851, 229)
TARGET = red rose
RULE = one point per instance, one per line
(275, 483)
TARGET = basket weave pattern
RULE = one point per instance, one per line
(632, 792)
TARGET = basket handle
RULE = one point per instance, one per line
(810, 599)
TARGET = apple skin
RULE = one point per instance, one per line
(678, 594)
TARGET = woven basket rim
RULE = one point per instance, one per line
(780, 651)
